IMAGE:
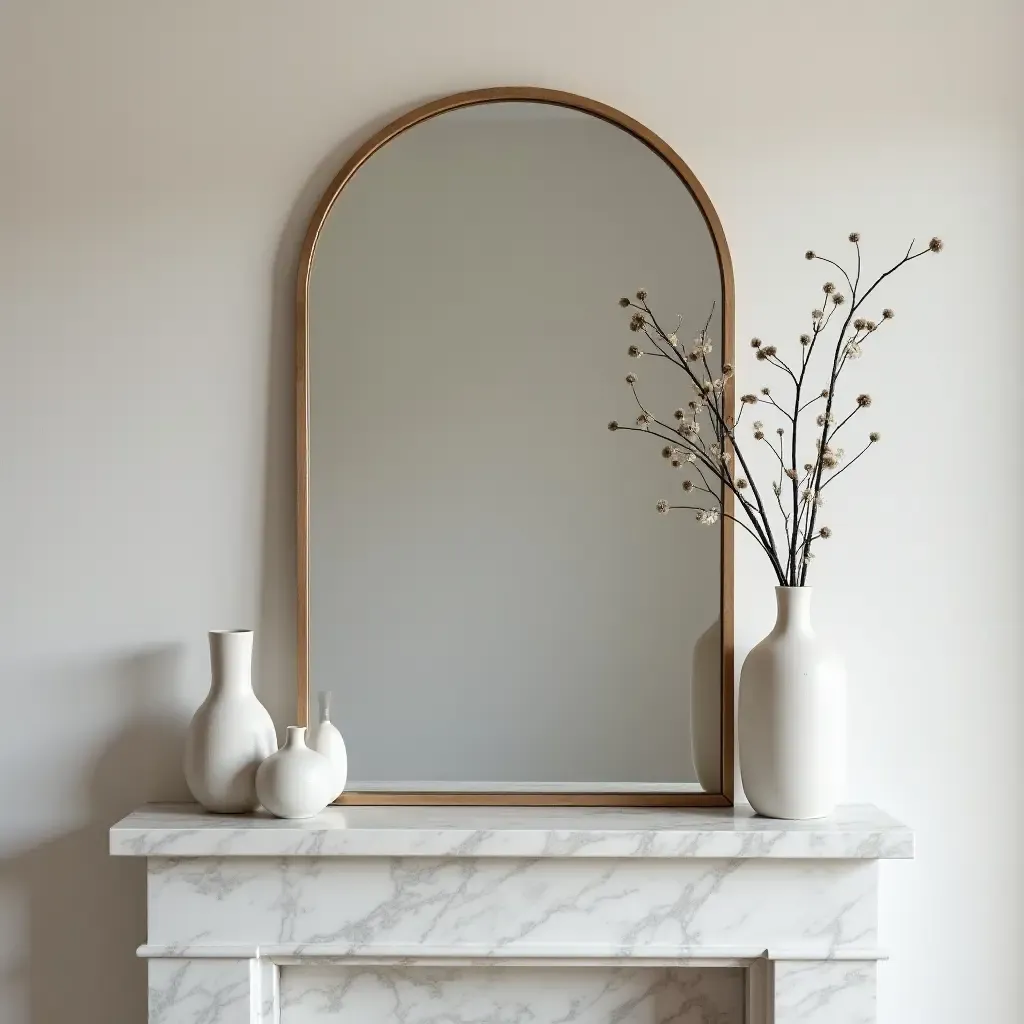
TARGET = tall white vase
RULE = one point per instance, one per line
(706, 708)
(329, 742)
(792, 717)
(231, 733)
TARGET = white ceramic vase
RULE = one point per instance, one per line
(329, 742)
(231, 733)
(296, 782)
(792, 717)
(706, 708)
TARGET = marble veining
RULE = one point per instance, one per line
(511, 916)
(497, 995)
(183, 830)
(839, 993)
(199, 991)
(522, 907)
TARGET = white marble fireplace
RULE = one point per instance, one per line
(418, 915)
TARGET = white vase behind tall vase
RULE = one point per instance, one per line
(792, 717)
(231, 733)
(328, 741)
(706, 708)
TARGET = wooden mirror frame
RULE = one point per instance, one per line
(525, 94)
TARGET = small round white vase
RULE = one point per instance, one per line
(792, 717)
(231, 733)
(706, 708)
(296, 782)
(329, 742)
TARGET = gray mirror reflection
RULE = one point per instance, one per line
(494, 602)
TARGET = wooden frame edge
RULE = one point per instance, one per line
(569, 798)
(723, 798)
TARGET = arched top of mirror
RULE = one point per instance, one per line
(515, 217)
(502, 101)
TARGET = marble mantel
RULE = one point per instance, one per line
(422, 915)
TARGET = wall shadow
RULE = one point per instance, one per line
(87, 910)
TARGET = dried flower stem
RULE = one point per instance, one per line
(841, 424)
(778, 362)
(715, 460)
(809, 403)
(855, 303)
(840, 472)
(676, 441)
(738, 522)
(704, 360)
(764, 526)
(707, 486)
(768, 400)
(777, 454)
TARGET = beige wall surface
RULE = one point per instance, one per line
(158, 165)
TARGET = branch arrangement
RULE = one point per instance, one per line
(702, 438)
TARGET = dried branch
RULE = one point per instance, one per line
(713, 460)
(765, 523)
(738, 522)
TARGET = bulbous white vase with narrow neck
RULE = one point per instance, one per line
(231, 733)
(792, 717)
(296, 782)
(329, 742)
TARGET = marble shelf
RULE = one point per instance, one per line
(856, 832)
(410, 915)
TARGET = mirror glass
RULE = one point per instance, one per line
(494, 602)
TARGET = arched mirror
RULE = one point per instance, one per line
(485, 588)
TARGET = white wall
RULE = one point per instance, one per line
(159, 164)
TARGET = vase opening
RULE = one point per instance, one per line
(231, 660)
(324, 700)
(296, 736)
